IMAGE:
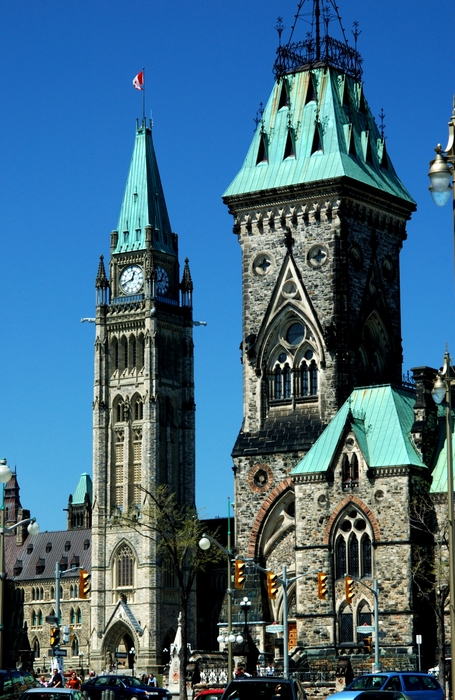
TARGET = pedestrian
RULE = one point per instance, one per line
(74, 682)
(269, 671)
(144, 678)
(152, 680)
(56, 680)
(43, 682)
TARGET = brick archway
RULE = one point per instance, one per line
(365, 510)
(283, 486)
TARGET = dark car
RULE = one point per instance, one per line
(417, 686)
(53, 694)
(13, 683)
(124, 688)
(249, 688)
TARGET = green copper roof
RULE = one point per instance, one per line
(439, 483)
(143, 202)
(84, 486)
(317, 126)
(381, 418)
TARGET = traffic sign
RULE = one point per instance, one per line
(366, 629)
(120, 654)
(274, 629)
(51, 620)
(59, 652)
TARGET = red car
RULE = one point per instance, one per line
(210, 694)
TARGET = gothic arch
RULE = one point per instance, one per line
(362, 507)
(122, 638)
(269, 503)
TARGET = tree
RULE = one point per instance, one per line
(430, 569)
(176, 530)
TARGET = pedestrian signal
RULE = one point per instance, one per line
(272, 585)
(239, 573)
(322, 586)
(84, 583)
(367, 645)
(349, 588)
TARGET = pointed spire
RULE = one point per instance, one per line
(143, 202)
(101, 284)
(186, 285)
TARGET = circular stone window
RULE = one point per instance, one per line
(308, 355)
(262, 264)
(290, 289)
(346, 526)
(260, 478)
(282, 357)
(379, 495)
(322, 500)
(295, 333)
(318, 255)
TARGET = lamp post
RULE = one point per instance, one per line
(442, 170)
(81, 661)
(33, 529)
(441, 390)
(204, 544)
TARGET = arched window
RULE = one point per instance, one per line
(346, 624)
(138, 409)
(278, 383)
(40, 618)
(79, 617)
(133, 351)
(72, 617)
(36, 648)
(75, 647)
(52, 593)
(340, 557)
(286, 381)
(353, 550)
(41, 594)
(366, 557)
(313, 379)
(350, 471)
(125, 563)
(353, 555)
(34, 618)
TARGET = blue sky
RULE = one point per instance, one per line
(67, 128)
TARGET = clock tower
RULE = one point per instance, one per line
(143, 418)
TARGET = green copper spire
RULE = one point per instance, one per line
(317, 127)
(143, 202)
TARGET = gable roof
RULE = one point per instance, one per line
(333, 133)
(381, 418)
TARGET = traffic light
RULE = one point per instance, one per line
(367, 645)
(84, 583)
(272, 585)
(349, 588)
(66, 634)
(55, 636)
(239, 573)
(322, 585)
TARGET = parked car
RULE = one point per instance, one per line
(124, 688)
(264, 688)
(209, 694)
(13, 683)
(53, 694)
(417, 686)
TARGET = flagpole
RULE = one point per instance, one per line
(143, 96)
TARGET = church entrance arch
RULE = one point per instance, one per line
(119, 638)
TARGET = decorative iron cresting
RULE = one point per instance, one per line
(315, 50)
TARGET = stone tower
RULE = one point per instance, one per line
(320, 216)
(143, 424)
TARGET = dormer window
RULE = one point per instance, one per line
(40, 565)
(67, 546)
(86, 544)
(48, 547)
(29, 549)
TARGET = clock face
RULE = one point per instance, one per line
(131, 279)
(162, 281)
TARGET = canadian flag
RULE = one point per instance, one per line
(138, 81)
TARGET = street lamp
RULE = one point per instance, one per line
(204, 544)
(33, 529)
(442, 389)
